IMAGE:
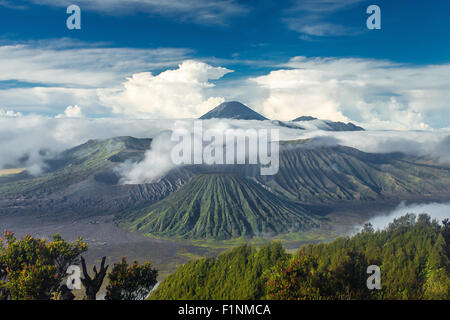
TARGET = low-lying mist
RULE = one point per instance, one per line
(438, 211)
(27, 141)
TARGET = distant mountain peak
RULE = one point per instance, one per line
(331, 125)
(305, 118)
(233, 110)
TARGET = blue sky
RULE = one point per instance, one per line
(262, 41)
(412, 31)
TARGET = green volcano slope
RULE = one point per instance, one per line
(220, 206)
(325, 174)
(76, 164)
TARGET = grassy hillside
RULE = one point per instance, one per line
(220, 206)
(413, 255)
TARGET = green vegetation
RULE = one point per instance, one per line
(130, 282)
(35, 268)
(413, 254)
(236, 274)
(220, 206)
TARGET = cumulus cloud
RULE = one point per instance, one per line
(52, 74)
(179, 93)
(9, 113)
(372, 93)
(438, 211)
(377, 94)
(71, 112)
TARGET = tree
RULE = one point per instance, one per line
(133, 282)
(37, 282)
(368, 228)
(437, 284)
(35, 268)
(236, 274)
(92, 285)
(294, 279)
(446, 234)
(348, 280)
(4, 292)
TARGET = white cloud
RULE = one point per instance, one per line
(157, 162)
(435, 144)
(66, 72)
(11, 5)
(49, 100)
(71, 112)
(36, 138)
(376, 94)
(39, 137)
(316, 27)
(323, 6)
(311, 17)
(179, 93)
(71, 64)
(9, 113)
(198, 11)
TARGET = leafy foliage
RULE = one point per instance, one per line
(130, 282)
(233, 275)
(35, 268)
(412, 253)
(301, 278)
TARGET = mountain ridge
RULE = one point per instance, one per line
(85, 181)
(333, 125)
(236, 110)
